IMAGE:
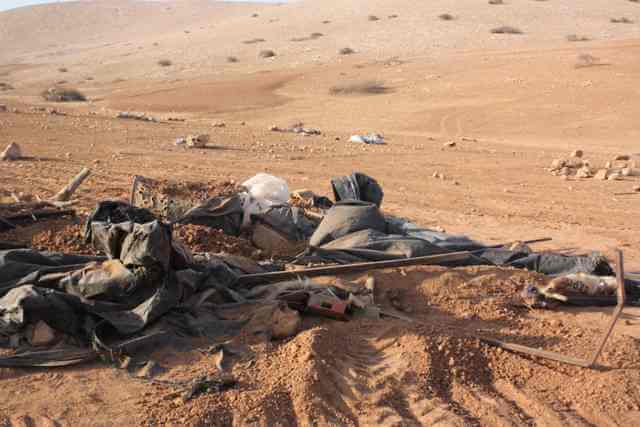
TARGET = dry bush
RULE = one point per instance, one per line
(622, 20)
(63, 70)
(326, 21)
(359, 88)
(373, 18)
(587, 60)
(393, 16)
(58, 94)
(446, 17)
(577, 38)
(506, 29)
(267, 53)
(5, 87)
(254, 41)
(313, 36)
(346, 51)
(232, 59)
(496, 2)
(165, 63)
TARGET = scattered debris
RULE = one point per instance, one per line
(136, 116)
(374, 139)
(297, 129)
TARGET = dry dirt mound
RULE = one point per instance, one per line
(61, 235)
(199, 238)
(433, 371)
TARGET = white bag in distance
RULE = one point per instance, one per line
(263, 191)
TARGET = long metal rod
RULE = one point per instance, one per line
(351, 268)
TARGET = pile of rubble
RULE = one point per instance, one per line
(574, 165)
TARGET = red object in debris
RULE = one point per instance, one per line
(328, 306)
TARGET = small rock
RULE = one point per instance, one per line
(622, 157)
(577, 153)
(285, 322)
(607, 165)
(67, 155)
(197, 141)
(614, 176)
(12, 152)
(449, 144)
(601, 174)
(42, 335)
(636, 188)
(149, 370)
(584, 172)
(180, 141)
(219, 124)
(558, 163)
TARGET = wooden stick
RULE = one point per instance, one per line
(37, 214)
(66, 193)
(37, 205)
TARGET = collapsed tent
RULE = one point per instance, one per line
(149, 285)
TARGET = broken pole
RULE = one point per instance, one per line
(66, 193)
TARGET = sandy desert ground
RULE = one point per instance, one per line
(512, 103)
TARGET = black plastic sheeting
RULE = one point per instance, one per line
(103, 300)
(357, 186)
(356, 231)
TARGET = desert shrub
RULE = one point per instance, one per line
(58, 94)
(577, 38)
(267, 53)
(505, 29)
(587, 60)
(316, 35)
(446, 17)
(359, 88)
(373, 18)
(326, 21)
(393, 16)
(254, 41)
(165, 63)
(232, 59)
(622, 20)
(63, 70)
(346, 51)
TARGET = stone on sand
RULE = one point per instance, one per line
(197, 141)
(602, 174)
(42, 335)
(584, 172)
(285, 322)
(577, 153)
(12, 152)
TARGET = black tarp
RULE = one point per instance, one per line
(357, 186)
